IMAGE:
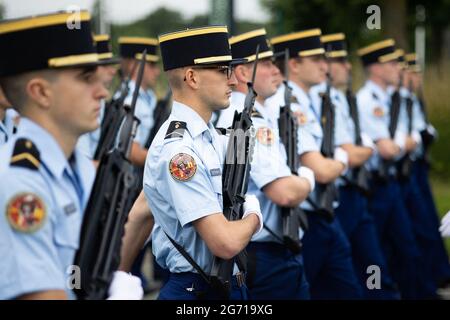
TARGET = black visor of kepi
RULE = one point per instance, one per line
(57, 40)
(199, 46)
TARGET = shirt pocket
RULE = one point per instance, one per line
(67, 229)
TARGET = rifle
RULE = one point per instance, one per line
(427, 136)
(360, 175)
(235, 178)
(405, 164)
(293, 218)
(112, 119)
(326, 193)
(394, 111)
(106, 213)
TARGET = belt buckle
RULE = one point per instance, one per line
(240, 279)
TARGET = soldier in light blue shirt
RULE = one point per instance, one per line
(424, 219)
(88, 142)
(48, 181)
(275, 272)
(183, 171)
(326, 250)
(130, 51)
(352, 211)
(391, 217)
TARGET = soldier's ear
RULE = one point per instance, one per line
(191, 78)
(39, 91)
(293, 65)
(242, 74)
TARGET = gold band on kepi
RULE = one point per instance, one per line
(104, 50)
(379, 52)
(38, 35)
(244, 45)
(335, 45)
(412, 62)
(300, 44)
(132, 48)
(207, 45)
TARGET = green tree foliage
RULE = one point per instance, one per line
(2, 10)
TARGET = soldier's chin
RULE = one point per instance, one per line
(223, 106)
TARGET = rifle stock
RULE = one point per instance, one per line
(405, 164)
(394, 111)
(292, 218)
(359, 176)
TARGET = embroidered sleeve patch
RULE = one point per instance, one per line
(182, 167)
(26, 212)
(264, 136)
(301, 118)
(378, 112)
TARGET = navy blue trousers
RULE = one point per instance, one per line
(396, 233)
(438, 253)
(191, 286)
(328, 261)
(360, 229)
(274, 273)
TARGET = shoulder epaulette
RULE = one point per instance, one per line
(256, 114)
(223, 131)
(25, 155)
(176, 130)
(294, 99)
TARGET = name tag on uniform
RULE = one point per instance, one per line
(215, 172)
(70, 208)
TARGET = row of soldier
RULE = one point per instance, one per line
(361, 181)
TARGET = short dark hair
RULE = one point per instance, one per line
(14, 87)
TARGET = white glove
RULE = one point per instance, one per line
(445, 225)
(416, 137)
(308, 174)
(251, 206)
(367, 142)
(342, 156)
(432, 131)
(125, 286)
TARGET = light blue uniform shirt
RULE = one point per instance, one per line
(7, 126)
(269, 163)
(88, 142)
(145, 105)
(418, 121)
(342, 133)
(176, 204)
(373, 107)
(310, 132)
(38, 260)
